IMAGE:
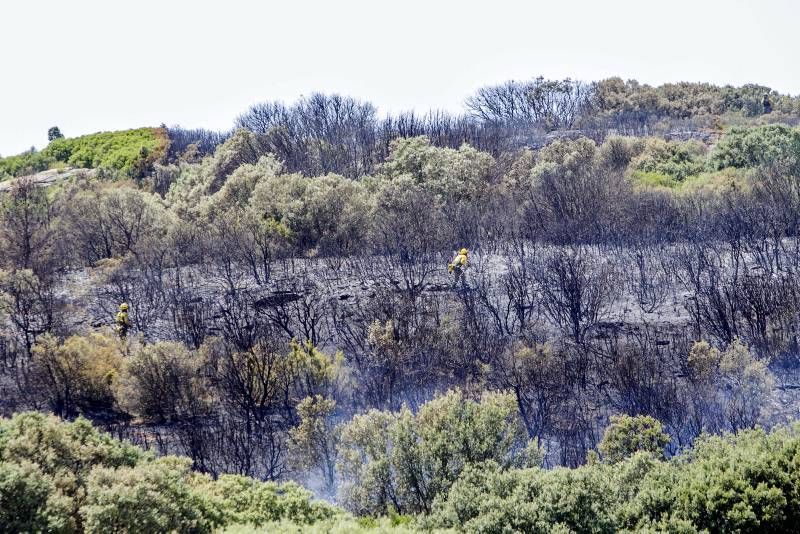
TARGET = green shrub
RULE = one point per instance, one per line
(776, 144)
(653, 179)
(406, 460)
(57, 447)
(64, 454)
(29, 162)
(745, 482)
(677, 160)
(487, 499)
(248, 501)
(327, 213)
(150, 498)
(628, 435)
(452, 174)
(68, 477)
(130, 152)
(24, 496)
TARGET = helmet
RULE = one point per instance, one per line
(123, 306)
(463, 252)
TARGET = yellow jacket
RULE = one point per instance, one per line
(460, 262)
(122, 319)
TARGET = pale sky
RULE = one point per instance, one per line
(90, 66)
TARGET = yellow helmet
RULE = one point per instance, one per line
(463, 252)
(123, 306)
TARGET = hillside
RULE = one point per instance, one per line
(572, 308)
(129, 152)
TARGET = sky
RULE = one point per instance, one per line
(89, 66)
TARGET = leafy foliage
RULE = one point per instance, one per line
(25, 500)
(628, 435)
(68, 477)
(26, 163)
(155, 496)
(735, 483)
(78, 374)
(674, 159)
(774, 144)
(130, 152)
(404, 461)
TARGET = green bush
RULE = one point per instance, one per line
(64, 455)
(773, 144)
(149, 498)
(29, 162)
(131, 152)
(745, 482)
(628, 435)
(24, 495)
(58, 447)
(247, 501)
(677, 160)
(653, 179)
(452, 174)
(325, 213)
(406, 460)
(487, 499)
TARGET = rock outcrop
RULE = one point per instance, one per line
(49, 177)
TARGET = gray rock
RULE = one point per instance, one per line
(50, 177)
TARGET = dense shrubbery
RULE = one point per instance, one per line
(776, 144)
(686, 99)
(67, 477)
(131, 153)
(628, 435)
(404, 461)
(673, 159)
(332, 134)
(26, 163)
(735, 483)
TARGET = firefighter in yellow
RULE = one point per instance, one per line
(458, 266)
(123, 322)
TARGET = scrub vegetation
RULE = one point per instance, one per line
(572, 308)
(131, 153)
